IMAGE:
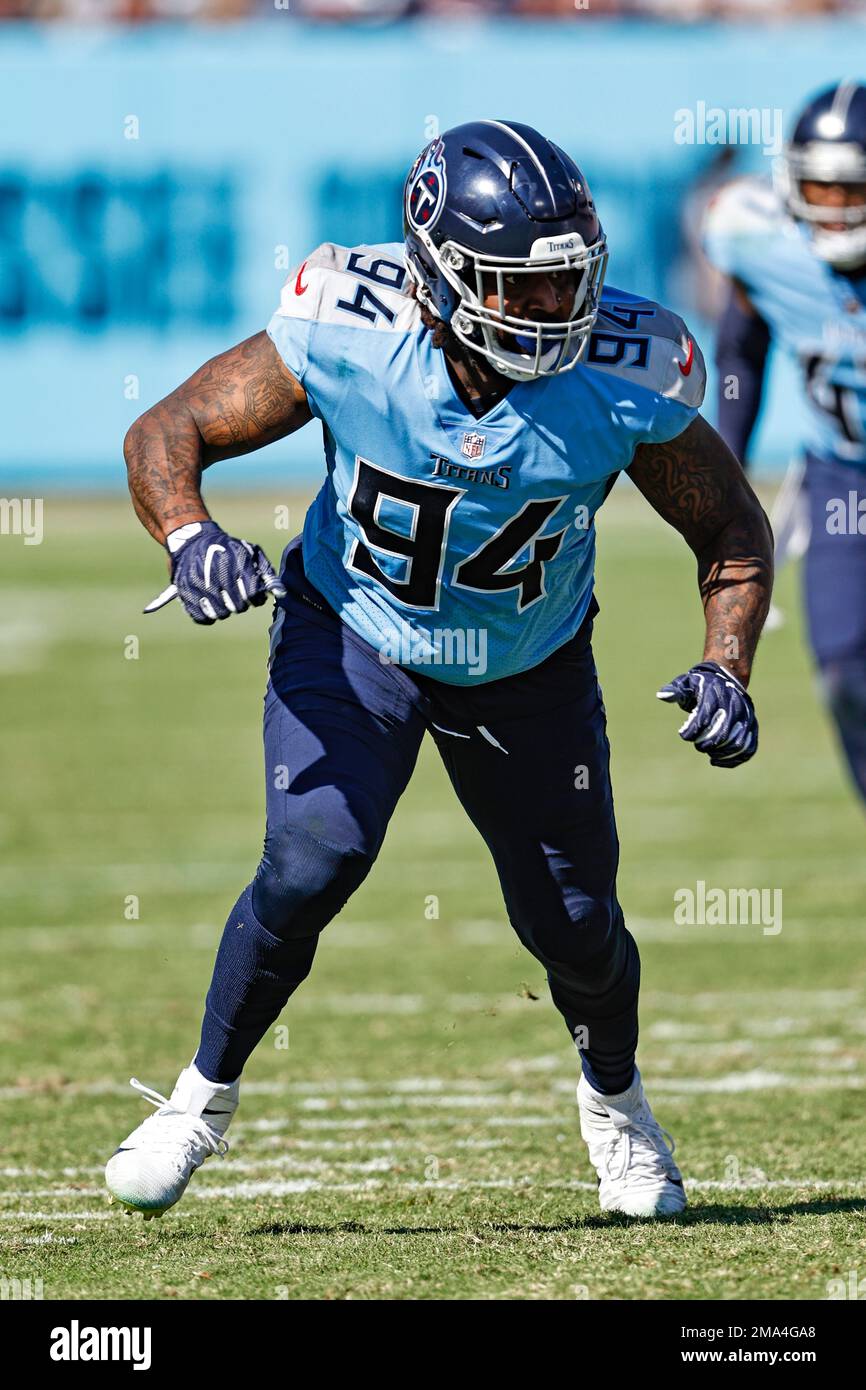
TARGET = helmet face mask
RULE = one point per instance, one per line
(828, 147)
(462, 261)
(524, 348)
(517, 347)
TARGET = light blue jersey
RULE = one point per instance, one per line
(465, 547)
(814, 313)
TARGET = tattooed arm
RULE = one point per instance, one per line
(697, 485)
(237, 402)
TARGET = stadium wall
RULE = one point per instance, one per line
(154, 183)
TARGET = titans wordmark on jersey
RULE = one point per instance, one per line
(816, 314)
(433, 523)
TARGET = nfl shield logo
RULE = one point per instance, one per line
(473, 445)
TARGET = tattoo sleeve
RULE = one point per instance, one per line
(237, 402)
(697, 485)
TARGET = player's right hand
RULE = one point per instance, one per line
(215, 575)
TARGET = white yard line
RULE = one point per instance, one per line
(441, 1092)
(478, 1101)
(420, 1121)
(272, 1141)
(50, 1216)
(251, 1190)
(277, 1189)
(726, 1001)
(756, 1080)
(352, 935)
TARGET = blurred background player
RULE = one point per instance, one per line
(795, 255)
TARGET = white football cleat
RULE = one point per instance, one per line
(630, 1151)
(151, 1169)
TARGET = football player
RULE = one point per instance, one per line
(795, 252)
(478, 394)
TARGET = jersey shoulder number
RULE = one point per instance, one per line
(647, 345)
(353, 287)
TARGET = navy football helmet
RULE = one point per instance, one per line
(828, 145)
(494, 199)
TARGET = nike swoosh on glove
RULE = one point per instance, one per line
(722, 722)
(217, 575)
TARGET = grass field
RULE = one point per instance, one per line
(418, 1137)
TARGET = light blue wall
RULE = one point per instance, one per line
(140, 258)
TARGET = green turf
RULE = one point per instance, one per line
(418, 1136)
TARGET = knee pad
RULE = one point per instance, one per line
(586, 946)
(844, 687)
(302, 882)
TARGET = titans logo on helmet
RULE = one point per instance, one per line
(425, 198)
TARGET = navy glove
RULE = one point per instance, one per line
(722, 720)
(215, 575)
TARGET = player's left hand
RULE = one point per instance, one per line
(722, 722)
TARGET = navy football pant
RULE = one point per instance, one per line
(528, 759)
(835, 596)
